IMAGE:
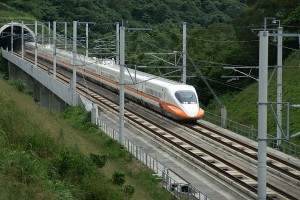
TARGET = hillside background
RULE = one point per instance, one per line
(220, 33)
(45, 155)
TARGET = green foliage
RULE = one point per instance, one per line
(144, 12)
(79, 119)
(99, 160)
(129, 189)
(19, 85)
(210, 35)
(211, 48)
(22, 175)
(8, 13)
(117, 152)
(98, 187)
(292, 19)
(242, 107)
(24, 166)
(253, 17)
(14, 121)
(70, 163)
(118, 178)
(145, 177)
(42, 145)
(35, 166)
(3, 67)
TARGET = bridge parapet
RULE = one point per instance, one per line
(62, 91)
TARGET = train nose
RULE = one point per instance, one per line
(191, 109)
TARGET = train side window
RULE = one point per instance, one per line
(186, 97)
(152, 92)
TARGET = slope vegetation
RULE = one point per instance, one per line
(8, 14)
(243, 108)
(44, 155)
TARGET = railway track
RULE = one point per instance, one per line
(280, 167)
(225, 170)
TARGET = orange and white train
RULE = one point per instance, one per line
(176, 100)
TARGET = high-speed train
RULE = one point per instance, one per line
(176, 100)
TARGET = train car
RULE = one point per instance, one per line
(176, 100)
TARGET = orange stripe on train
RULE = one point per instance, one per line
(166, 106)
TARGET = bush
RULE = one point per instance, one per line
(40, 143)
(79, 119)
(3, 67)
(97, 187)
(118, 178)
(115, 149)
(100, 161)
(19, 85)
(129, 189)
(25, 166)
(72, 164)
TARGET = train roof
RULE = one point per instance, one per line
(110, 64)
(142, 76)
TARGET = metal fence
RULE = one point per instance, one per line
(251, 133)
(181, 190)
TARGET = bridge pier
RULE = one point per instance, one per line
(40, 93)
(14, 73)
(46, 90)
(44, 97)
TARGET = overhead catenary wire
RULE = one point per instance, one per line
(204, 80)
(210, 62)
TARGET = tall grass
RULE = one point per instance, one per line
(44, 155)
(8, 14)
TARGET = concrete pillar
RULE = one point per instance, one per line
(94, 111)
(23, 76)
(44, 96)
(223, 116)
(11, 73)
(14, 72)
(56, 103)
(30, 84)
(36, 92)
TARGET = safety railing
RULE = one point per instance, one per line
(251, 133)
(181, 190)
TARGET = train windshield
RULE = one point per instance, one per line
(186, 97)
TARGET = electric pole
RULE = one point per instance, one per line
(121, 82)
(49, 27)
(35, 46)
(87, 40)
(66, 35)
(12, 37)
(54, 50)
(184, 53)
(74, 62)
(279, 86)
(262, 112)
(42, 33)
(22, 39)
(117, 43)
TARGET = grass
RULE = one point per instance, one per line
(45, 155)
(242, 107)
(8, 14)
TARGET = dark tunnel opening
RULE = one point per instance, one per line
(5, 38)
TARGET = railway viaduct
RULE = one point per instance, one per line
(46, 90)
